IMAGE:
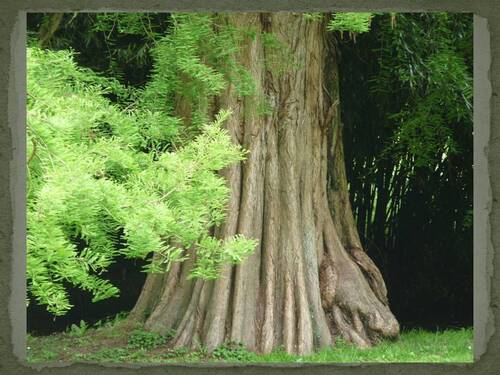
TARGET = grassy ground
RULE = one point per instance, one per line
(110, 342)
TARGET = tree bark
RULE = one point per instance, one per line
(309, 280)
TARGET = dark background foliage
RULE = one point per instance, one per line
(413, 209)
(411, 188)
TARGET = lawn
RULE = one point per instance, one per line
(110, 342)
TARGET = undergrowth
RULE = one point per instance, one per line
(114, 342)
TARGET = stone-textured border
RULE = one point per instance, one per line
(13, 176)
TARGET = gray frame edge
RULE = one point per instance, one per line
(12, 167)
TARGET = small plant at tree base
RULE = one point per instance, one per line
(78, 330)
(111, 321)
(170, 334)
(145, 340)
(232, 351)
(138, 356)
(175, 352)
(199, 355)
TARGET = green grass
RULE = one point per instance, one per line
(113, 342)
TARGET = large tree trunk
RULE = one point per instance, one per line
(309, 281)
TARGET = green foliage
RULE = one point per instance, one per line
(78, 330)
(233, 352)
(468, 220)
(47, 355)
(421, 59)
(126, 23)
(65, 204)
(111, 321)
(264, 106)
(193, 64)
(176, 352)
(212, 253)
(146, 340)
(351, 22)
(279, 57)
(107, 355)
(118, 44)
(406, 94)
(102, 183)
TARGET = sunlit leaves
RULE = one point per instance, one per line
(358, 22)
(103, 182)
(213, 253)
(193, 64)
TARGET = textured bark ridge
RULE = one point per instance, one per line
(309, 281)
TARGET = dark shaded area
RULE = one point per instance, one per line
(415, 224)
(125, 274)
(118, 46)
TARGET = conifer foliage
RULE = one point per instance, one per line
(100, 185)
